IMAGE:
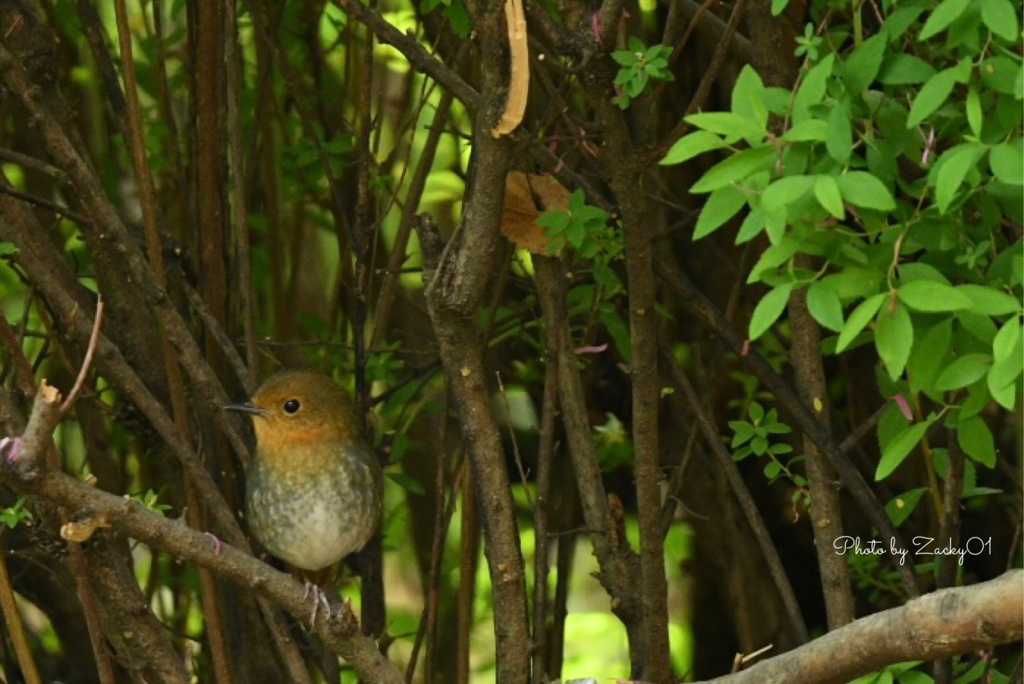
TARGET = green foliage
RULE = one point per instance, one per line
(754, 437)
(13, 515)
(614, 446)
(902, 673)
(586, 229)
(151, 500)
(893, 165)
(639, 64)
(582, 226)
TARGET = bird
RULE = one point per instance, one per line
(314, 487)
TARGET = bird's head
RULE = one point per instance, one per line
(295, 410)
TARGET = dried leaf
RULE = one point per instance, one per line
(526, 197)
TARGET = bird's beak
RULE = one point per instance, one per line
(247, 407)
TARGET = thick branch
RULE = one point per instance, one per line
(617, 563)
(134, 520)
(937, 625)
(826, 513)
(455, 285)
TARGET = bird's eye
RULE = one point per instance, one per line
(291, 406)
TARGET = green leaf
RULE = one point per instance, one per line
(769, 309)
(827, 191)
(746, 97)
(736, 167)
(899, 448)
(862, 189)
(955, 163)
(786, 190)
(859, 318)
(1001, 18)
(691, 145)
(963, 371)
(903, 69)
(721, 206)
(973, 108)
(1007, 161)
(990, 301)
(862, 65)
(929, 354)
(978, 326)
(751, 227)
(812, 89)
(919, 270)
(824, 305)
(775, 255)
(775, 224)
(624, 58)
(811, 130)
(900, 508)
(1006, 339)
(854, 282)
(1001, 74)
(839, 141)
(927, 295)
(742, 432)
(976, 440)
(778, 7)
(944, 14)
(899, 20)
(931, 96)
(729, 125)
(894, 336)
(1002, 377)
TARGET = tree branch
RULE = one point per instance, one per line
(422, 60)
(340, 633)
(937, 625)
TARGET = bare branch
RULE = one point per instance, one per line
(936, 625)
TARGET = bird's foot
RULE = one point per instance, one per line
(319, 599)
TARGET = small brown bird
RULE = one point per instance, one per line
(314, 488)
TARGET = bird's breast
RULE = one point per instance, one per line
(317, 511)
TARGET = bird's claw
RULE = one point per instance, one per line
(319, 599)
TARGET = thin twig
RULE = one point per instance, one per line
(32, 163)
(410, 47)
(515, 442)
(706, 81)
(15, 628)
(44, 203)
(90, 351)
(241, 211)
(746, 501)
(788, 401)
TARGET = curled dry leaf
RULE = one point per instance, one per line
(519, 81)
(81, 530)
(527, 195)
